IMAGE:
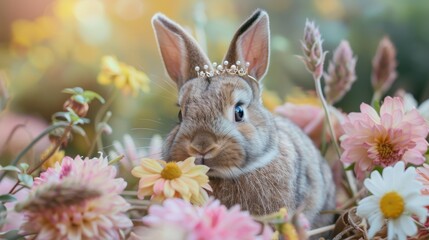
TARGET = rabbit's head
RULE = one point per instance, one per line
(222, 120)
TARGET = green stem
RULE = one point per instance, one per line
(98, 141)
(328, 116)
(40, 136)
(349, 175)
(324, 145)
(376, 97)
(54, 149)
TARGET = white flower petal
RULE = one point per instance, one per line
(368, 206)
(398, 229)
(407, 225)
(375, 184)
(375, 222)
(390, 230)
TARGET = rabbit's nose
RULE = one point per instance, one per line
(202, 144)
(195, 150)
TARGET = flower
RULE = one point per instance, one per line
(423, 177)
(289, 231)
(311, 45)
(396, 200)
(57, 156)
(341, 73)
(270, 99)
(306, 111)
(13, 219)
(123, 76)
(27, 33)
(384, 66)
(211, 221)
(373, 139)
(410, 103)
(57, 211)
(162, 180)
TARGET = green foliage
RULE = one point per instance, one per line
(26, 180)
(7, 198)
(83, 96)
(11, 235)
(10, 168)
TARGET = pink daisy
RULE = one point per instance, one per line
(373, 139)
(65, 217)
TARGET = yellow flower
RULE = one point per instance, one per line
(123, 76)
(162, 180)
(28, 33)
(289, 232)
(56, 157)
(298, 97)
(271, 100)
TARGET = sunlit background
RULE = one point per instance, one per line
(49, 45)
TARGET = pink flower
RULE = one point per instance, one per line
(310, 118)
(211, 221)
(100, 216)
(373, 139)
(423, 177)
(13, 219)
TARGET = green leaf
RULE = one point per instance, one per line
(73, 116)
(379, 169)
(26, 180)
(11, 235)
(65, 115)
(90, 95)
(75, 90)
(24, 166)
(78, 130)
(7, 198)
(80, 98)
(3, 214)
(10, 168)
(350, 167)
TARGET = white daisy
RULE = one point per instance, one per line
(396, 200)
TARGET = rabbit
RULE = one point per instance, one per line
(260, 161)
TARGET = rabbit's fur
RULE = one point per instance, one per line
(263, 162)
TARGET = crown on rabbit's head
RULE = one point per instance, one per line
(220, 69)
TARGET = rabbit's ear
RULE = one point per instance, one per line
(179, 51)
(251, 43)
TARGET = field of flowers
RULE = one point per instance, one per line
(84, 176)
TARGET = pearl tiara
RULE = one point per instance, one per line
(235, 69)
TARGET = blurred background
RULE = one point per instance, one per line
(49, 45)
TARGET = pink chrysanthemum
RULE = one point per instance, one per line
(382, 140)
(211, 221)
(99, 216)
(423, 177)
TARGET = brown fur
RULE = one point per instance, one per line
(264, 162)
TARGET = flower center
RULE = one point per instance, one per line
(392, 205)
(171, 171)
(386, 153)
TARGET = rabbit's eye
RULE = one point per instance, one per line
(179, 115)
(239, 113)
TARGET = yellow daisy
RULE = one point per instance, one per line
(162, 180)
(124, 77)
